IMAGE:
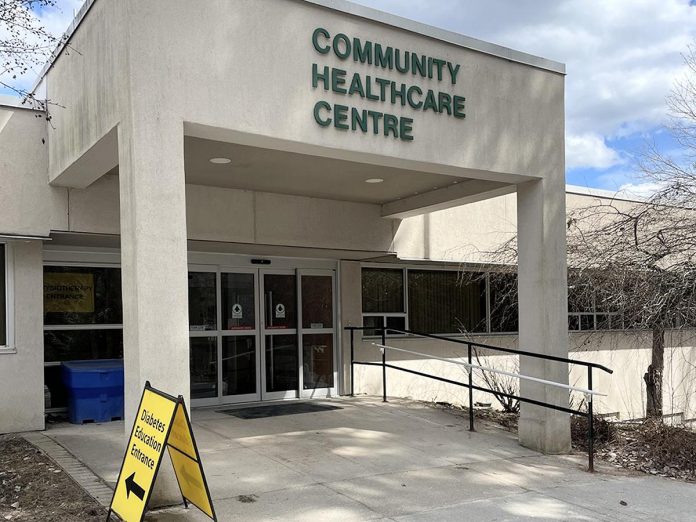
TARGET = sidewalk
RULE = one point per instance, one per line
(396, 461)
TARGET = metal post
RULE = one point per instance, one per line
(384, 366)
(590, 411)
(471, 394)
(352, 361)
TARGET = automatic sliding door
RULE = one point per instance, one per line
(317, 332)
(203, 338)
(279, 331)
(239, 337)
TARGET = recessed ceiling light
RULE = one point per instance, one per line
(374, 180)
(220, 161)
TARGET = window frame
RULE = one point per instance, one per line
(73, 327)
(384, 315)
(9, 346)
(612, 316)
(405, 314)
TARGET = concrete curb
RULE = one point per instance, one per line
(85, 477)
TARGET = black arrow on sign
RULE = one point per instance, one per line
(132, 485)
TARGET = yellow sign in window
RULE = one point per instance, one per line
(68, 292)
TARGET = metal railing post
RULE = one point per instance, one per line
(590, 411)
(471, 393)
(352, 363)
(384, 366)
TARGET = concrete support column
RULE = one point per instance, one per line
(154, 267)
(543, 311)
(351, 314)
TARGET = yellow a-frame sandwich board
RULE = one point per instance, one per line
(162, 421)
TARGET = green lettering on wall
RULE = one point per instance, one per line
(384, 57)
(362, 53)
(430, 103)
(376, 117)
(358, 119)
(453, 72)
(406, 129)
(317, 76)
(341, 117)
(391, 125)
(374, 88)
(414, 104)
(368, 89)
(338, 78)
(398, 93)
(418, 64)
(383, 84)
(324, 122)
(315, 40)
(341, 53)
(445, 102)
(397, 61)
(459, 107)
(356, 86)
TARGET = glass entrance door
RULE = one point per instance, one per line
(280, 367)
(317, 333)
(261, 334)
(240, 358)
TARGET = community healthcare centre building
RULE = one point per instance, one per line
(224, 186)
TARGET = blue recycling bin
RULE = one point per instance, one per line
(95, 390)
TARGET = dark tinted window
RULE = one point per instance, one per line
(382, 290)
(440, 301)
(202, 301)
(504, 311)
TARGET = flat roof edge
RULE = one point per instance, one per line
(444, 35)
(368, 13)
(63, 41)
(620, 195)
(15, 102)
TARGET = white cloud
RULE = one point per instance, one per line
(639, 190)
(589, 151)
(621, 56)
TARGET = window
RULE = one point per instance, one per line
(446, 302)
(503, 302)
(589, 309)
(3, 297)
(83, 316)
(428, 301)
(441, 302)
(383, 299)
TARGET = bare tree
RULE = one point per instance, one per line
(24, 45)
(635, 262)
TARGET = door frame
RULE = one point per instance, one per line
(209, 401)
(234, 263)
(264, 332)
(248, 397)
(315, 393)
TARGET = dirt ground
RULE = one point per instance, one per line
(648, 446)
(33, 487)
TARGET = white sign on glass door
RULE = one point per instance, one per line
(280, 311)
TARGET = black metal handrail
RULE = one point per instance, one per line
(470, 384)
(486, 346)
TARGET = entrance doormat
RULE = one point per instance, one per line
(277, 410)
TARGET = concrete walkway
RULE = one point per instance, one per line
(395, 461)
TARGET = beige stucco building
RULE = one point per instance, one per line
(224, 186)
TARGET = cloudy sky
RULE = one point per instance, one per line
(622, 57)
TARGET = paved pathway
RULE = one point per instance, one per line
(399, 461)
